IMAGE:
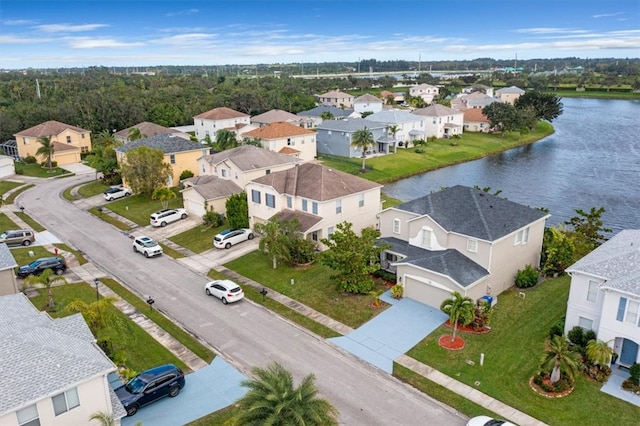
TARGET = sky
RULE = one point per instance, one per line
(84, 33)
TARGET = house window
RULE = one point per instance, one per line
(255, 196)
(314, 207)
(270, 200)
(268, 172)
(330, 231)
(28, 416)
(65, 401)
(585, 323)
(396, 226)
(361, 200)
(314, 236)
(390, 257)
(24, 141)
(426, 237)
(290, 142)
(472, 245)
(302, 141)
(68, 139)
(592, 292)
(633, 308)
(338, 206)
(203, 169)
(172, 159)
(289, 202)
(522, 236)
(329, 132)
(304, 205)
(224, 173)
(82, 136)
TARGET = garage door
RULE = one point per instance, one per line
(425, 293)
(6, 170)
(194, 208)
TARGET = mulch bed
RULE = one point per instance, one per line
(537, 389)
(469, 329)
(455, 345)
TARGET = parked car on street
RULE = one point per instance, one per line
(231, 237)
(225, 290)
(18, 237)
(147, 246)
(37, 267)
(487, 421)
(166, 216)
(150, 386)
(116, 192)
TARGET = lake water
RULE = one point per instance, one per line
(592, 160)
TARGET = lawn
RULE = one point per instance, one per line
(198, 239)
(138, 208)
(222, 417)
(310, 286)
(21, 254)
(440, 153)
(36, 170)
(513, 351)
(92, 188)
(6, 186)
(32, 223)
(6, 223)
(105, 217)
(11, 198)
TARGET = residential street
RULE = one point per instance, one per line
(246, 335)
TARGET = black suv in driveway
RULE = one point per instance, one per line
(150, 386)
(57, 264)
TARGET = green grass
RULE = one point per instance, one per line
(596, 95)
(138, 208)
(12, 198)
(312, 287)
(36, 170)
(222, 417)
(163, 322)
(440, 153)
(92, 188)
(141, 350)
(67, 195)
(6, 186)
(78, 255)
(105, 217)
(198, 239)
(6, 223)
(171, 252)
(21, 254)
(32, 223)
(513, 351)
(389, 201)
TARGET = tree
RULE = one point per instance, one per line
(225, 139)
(599, 352)
(362, 139)
(48, 278)
(353, 257)
(545, 106)
(502, 116)
(558, 249)
(326, 115)
(106, 419)
(560, 358)
(275, 240)
(98, 314)
(163, 194)
(273, 400)
(46, 149)
(460, 310)
(588, 230)
(144, 170)
(135, 134)
(237, 210)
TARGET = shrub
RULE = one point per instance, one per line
(634, 372)
(561, 385)
(302, 251)
(212, 219)
(598, 373)
(589, 335)
(186, 174)
(385, 275)
(29, 159)
(576, 336)
(557, 329)
(397, 291)
(527, 277)
(45, 163)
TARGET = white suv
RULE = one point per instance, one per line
(230, 237)
(163, 217)
(146, 246)
(116, 192)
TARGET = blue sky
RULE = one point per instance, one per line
(58, 33)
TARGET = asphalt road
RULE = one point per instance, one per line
(246, 334)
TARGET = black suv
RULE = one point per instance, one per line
(150, 386)
(57, 264)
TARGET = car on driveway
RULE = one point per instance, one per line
(166, 216)
(231, 237)
(38, 266)
(487, 421)
(225, 290)
(18, 237)
(147, 246)
(116, 192)
(150, 386)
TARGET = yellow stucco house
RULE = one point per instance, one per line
(68, 141)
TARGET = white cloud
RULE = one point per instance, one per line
(549, 31)
(10, 39)
(69, 28)
(183, 12)
(18, 22)
(607, 15)
(96, 43)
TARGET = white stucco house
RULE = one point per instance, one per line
(286, 138)
(409, 126)
(367, 103)
(605, 295)
(53, 372)
(425, 91)
(441, 121)
(208, 123)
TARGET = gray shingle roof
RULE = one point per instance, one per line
(167, 143)
(43, 356)
(450, 262)
(213, 187)
(249, 157)
(335, 111)
(350, 125)
(393, 116)
(366, 98)
(512, 89)
(472, 212)
(617, 261)
(436, 110)
(6, 258)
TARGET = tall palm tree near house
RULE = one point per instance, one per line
(47, 279)
(46, 149)
(599, 352)
(460, 310)
(273, 400)
(362, 139)
(135, 134)
(393, 129)
(560, 358)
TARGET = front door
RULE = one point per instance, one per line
(629, 353)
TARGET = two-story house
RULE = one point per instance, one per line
(319, 197)
(605, 295)
(226, 173)
(208, 123)
(68, 141)
(367, 103)
(335, 136)
(478, 88)
(147, 130)
(53, 372)
(474, 100)
(509, 95)
(475, 121)
(441, 121)
(336, 98)
(179, 153)
(459, 239)
(425, 91)
(409, 127)
(278, 115)
(8, 284)
(286, 138)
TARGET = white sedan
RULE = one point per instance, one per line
(163, 217)
(225, 290)
(116, 192)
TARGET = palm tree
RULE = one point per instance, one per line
(460, 309)
(393, 129)
(273, 400)
(47, 279)
(106, 419)
(163, 194)
(135, 134)
(97, 314)
(46, 149)
(362, 139)
(104, 139)
(599, 352)
(560, 358)
(225, 140)
(274, 241)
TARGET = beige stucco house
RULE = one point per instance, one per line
(475, 121)
(319, 197)
(509, 95)
(367, 103)
(459, 239)
(441, 121)
(425, 91)
(286, 138)
(68, 141)
(336, 98)
(208, 123)
(8, 284)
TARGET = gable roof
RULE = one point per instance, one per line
(149, 129)
(472, 212)
(49, 128)
(391, 116)
(316, 182)
(423, 86)
(336, 94)
(59, 147)
(278, 130)
(306, 220)
(275, 115)
(250, 157)
(367, 98)
(7, 261)
(512, 89)
(167, 143)
(350, 125)
(333, 110)
(43, 356)
(213, 187)
(221, 113)
(436, 110)
(617, 261)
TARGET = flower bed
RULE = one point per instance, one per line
(541, 385)
(469, 329)
(446, 342)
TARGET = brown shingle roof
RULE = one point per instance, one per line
(59, 147)
(49, 128)
(306, 220)
(221, 113)
(366, 98)
(475, 115)
(336, 94)
(249, 157)
(278, 130)
(316, 182)
(436, 110)
(149, 129)
(214, 188)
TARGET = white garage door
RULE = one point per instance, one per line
(6, 168)
(425, 293)
(194, 208)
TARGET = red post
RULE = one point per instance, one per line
(56, 250)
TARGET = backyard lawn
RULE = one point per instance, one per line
(513, 350)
